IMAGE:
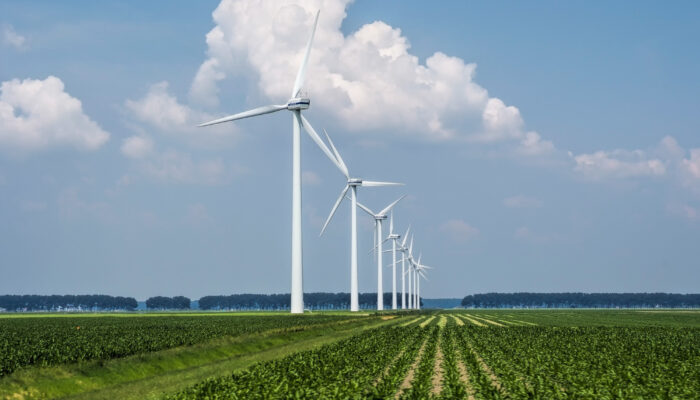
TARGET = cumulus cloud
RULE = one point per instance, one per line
(522, 201)
(368, 79)
(618, 164)
(38, 114)
(11, 38)
(692, 165)
(137, 147)
(459, 230)
(161, 110)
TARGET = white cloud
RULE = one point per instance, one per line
(11, 38)
(531, 144)
(368, 79)
(161, 110)
(692, 165)
(618, 164)
(522, 201)
(38, 114)
(137, 147)
(501, 121)
(459, 230)
(310, 178)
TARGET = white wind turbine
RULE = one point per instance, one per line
(378, 218)
(418, 269)
(351, 185)
(394, 237)
(409, 257)
(297, 103)
(403, 249)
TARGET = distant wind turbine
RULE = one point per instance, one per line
(351, 185)
(378, 218)
(297, 103)
(394, 237)
(403, 249)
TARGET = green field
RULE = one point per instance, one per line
(474, 354)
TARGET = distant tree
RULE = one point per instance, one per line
(581, 300)
(159, 303)
(313, 301)
(181, 303)
(61, 302)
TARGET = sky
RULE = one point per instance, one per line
(548, 146)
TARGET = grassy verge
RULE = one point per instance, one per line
(151, 375)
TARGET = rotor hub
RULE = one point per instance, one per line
(354, 182)
(298, 103)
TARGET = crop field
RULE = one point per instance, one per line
(470, 354)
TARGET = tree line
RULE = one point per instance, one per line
(313, 301)
(581, 300)
(32, 302)
(168, 303)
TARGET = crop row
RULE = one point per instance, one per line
(349, 368)
(591, 362)
(443, 360)
(51, 341)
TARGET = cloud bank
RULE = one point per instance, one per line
(38, 114)
(368, 80)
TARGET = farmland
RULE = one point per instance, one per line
(474, 354)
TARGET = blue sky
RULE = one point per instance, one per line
(545, 146)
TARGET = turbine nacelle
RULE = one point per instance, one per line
(354, 182)
(298, 103)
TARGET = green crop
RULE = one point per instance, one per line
(51, 341)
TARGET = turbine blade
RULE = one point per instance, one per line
(317, 139)
(367, 210)
(379, 183)
(341, 163)
(391, 223)
(422, 275)
(374, 238)
(390, 206)
(299, 82)
(405, 237)
(335, 207)
(246, 114)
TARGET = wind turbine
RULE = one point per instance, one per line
(403, 249)
(297, 103)
(418, 269)
(352, 184)
(394, 237)
(378, 218)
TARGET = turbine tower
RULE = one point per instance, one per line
(296, 104)
(403, 249)
(378, 218)
(394, 237)
(351, 185)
